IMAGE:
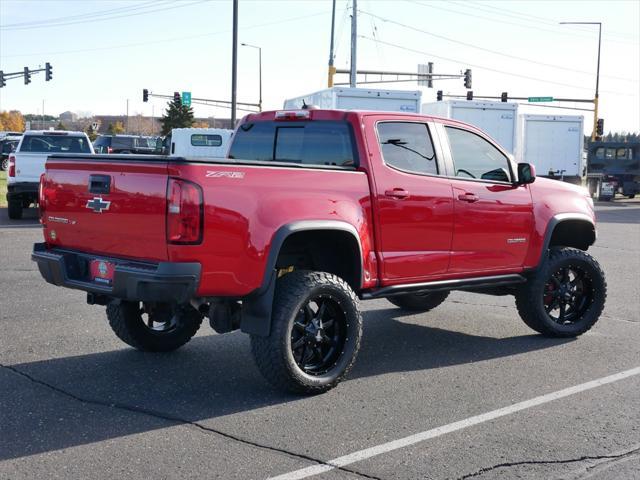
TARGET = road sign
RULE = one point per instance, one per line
(540, 99)
(186, 99)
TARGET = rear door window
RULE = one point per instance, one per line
(407, 146)
(317, 142)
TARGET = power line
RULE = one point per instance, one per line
(495, 52)
(83, 15)
(502, 22)
(174, 6)
(534, 18)
(173, 39)
(482, 67)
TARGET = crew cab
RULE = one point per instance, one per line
(312, 212)
(26, 164)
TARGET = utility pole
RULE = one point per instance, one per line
(127, 123)
(354, 36)
(332, 69)
(234, 64)
(43, 114)
(596, 98)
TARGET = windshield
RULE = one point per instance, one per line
(55, 144)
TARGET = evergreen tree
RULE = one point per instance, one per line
(176, 116)
(61, 126)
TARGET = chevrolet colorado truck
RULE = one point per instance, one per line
(313, 211)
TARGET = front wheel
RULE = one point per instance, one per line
(153, 327)
(315, 333)
(566, 296)
(419, 302)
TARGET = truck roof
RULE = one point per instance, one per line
(53, 132)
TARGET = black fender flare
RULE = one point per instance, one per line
(555, 221)
(257, 306)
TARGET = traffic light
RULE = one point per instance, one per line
(145, 95)
(177, 98)
(470, 95)
(430, 79)
(600, 127)
(467, 78)
(504, 97)
(2, 82)
(439, 95)
(27, 76)
(47, 72)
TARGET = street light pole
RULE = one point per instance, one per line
(259, 73)
(596, 99)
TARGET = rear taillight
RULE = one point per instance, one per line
(184, 212)
(12, 166)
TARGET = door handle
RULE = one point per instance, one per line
(468, 197)
(398, 193)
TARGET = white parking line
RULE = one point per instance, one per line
(452, 427)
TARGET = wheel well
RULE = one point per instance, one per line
(573, 233)
(333, 251)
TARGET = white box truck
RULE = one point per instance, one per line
(497, 119)
(554, 144)
(407, 101)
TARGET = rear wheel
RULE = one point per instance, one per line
(153, 327)
(5, 164)
(14, 209)
(419, 302)
(315, 333)
(566, 295)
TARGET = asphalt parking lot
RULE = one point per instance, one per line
(464, 391)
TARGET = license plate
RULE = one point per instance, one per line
(101, 271)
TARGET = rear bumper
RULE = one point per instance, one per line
(138, 281)
(22, 189)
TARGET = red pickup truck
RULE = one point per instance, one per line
(312, 211)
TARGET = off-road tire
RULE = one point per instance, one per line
(14, 209)
(127, 323)
(274, 354)
(530, 296)
(418, 302)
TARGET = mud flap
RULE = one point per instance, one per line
(256, 310)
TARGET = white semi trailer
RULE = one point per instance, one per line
(497, 119)
(407, 101)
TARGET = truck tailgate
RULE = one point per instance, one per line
(106, 205)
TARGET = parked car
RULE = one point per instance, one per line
(8, 145)
(26, 164)
(126, 144)
(313, 211)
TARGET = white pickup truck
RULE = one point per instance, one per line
(26, 164)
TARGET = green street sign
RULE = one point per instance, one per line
(540, 99)
(186, 99)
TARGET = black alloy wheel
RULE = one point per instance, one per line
(568, 294)
(318, 335)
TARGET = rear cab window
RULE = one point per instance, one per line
(309, 143)
(206, 140)
(55, 144)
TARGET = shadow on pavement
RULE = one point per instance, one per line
(29, 218)
(211, 377)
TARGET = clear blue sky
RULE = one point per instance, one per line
(105, 52)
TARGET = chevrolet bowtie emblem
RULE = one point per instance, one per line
(98, 205)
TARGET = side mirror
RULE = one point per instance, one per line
(526, 173)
